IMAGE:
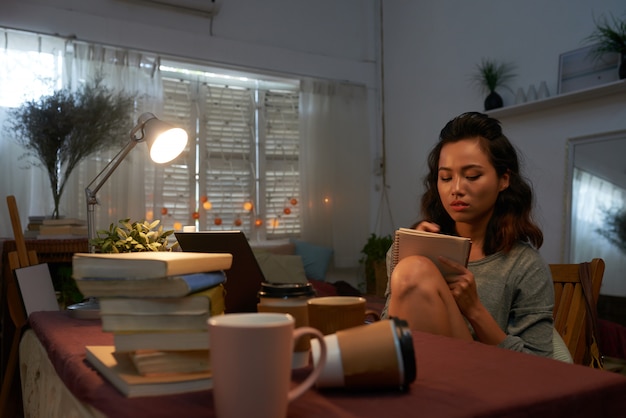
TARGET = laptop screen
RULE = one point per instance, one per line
(244, 278)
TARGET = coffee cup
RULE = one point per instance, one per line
(251, 363)
(290, 298)
(330, 314)
(377, 355)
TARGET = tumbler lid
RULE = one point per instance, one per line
(405, 340)
(286, 290)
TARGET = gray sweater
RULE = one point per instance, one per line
(516, 288)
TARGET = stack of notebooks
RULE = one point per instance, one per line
(157, 305)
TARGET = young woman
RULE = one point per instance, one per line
(505, 295)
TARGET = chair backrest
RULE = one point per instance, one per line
(570, 310)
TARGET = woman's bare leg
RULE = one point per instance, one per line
(420, 295)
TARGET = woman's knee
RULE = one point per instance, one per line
(415, 273)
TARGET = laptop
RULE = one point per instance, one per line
(244, 278)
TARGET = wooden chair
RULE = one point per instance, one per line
(10, 395)
(570, 310)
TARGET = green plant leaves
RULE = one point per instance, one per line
(133, 237)
(491, 74)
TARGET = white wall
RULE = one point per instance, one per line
(326, 39)
(430, 51)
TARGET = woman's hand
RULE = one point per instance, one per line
(463, 287)
(427, 227)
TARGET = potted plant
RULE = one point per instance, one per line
(490, 75)
(130, 237)
(60, 130)
(374, 254)
(610, 36)
(124, 238)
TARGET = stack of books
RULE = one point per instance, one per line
(157, 305)
(63, 228)
(32, 229)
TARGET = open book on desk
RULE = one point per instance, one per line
(409, 242)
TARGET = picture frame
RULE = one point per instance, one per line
(579, 69)
(35, 286)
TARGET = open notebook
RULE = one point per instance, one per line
(244, 278)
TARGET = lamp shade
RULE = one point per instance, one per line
(165, 142)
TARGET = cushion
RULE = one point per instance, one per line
(560, 350)
(315, 258)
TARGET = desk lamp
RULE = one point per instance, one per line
(165, 143)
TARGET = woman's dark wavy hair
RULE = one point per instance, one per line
(512, 218)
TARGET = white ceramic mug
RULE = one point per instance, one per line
(251, 356)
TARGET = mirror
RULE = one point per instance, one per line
(597, 183)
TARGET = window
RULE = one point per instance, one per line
(241, 170)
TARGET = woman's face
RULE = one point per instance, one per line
(467, 182)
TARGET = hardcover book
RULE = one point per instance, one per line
(122, 374)
(432, 245)
(129, 322)
(161, 340)
(171, 286)
(157, 362)
(210, 300)
(148, 264)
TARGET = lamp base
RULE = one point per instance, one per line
(87, 309)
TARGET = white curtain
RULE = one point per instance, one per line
(335, 164)
(335, 167)
(30, 185)
(123, 194)
(74, 64)
(591, 197)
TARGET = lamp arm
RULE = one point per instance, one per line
(90, 193)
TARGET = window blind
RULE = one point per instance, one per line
(241, 168)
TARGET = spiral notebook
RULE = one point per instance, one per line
(428, 244)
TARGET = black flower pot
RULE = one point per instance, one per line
(622, 66)
(493, 101)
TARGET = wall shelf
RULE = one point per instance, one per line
(609, 89)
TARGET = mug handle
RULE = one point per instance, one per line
(299, 390)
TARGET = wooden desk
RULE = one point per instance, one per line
(454, 379)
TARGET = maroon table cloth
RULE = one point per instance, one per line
(454, 379)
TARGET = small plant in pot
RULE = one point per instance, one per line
(127, 237)
(491, 75)
(131, 237)
(374, 254)
(60, 130)
(609, 36)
